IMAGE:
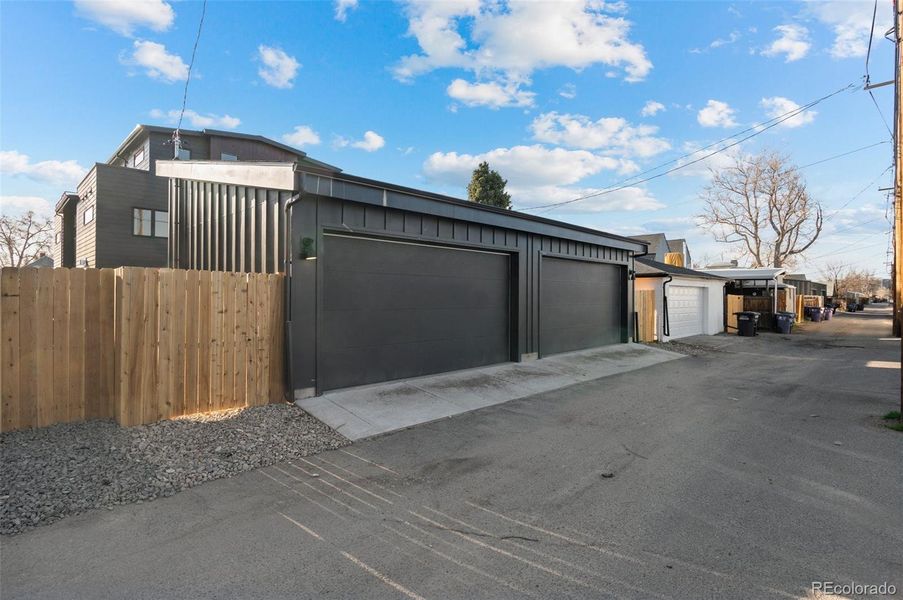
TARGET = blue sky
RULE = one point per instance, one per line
(417, 94)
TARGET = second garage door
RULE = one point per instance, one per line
(685, 310)
(393, 310)
(580, 305)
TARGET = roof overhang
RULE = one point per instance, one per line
(65, 200)
(275, 176)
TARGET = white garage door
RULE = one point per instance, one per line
(685, 310)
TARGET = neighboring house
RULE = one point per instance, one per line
(805, 287)
(687, 302)
(119, 216)
(663, 250)
(386, 282)
(42, 261)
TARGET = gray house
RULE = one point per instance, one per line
(663, 250)
(118, 216)
(386, 282)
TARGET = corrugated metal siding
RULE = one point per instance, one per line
(221, 227)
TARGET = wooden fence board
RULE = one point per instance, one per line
(28, 373)
(204, 341)
(190, 402)
(9, 349)
(136, 344)
(646, 316)
(60, 345)
(94, 404)
(44, 347)
(734, 305)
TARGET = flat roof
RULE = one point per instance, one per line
(297, 177)
(758, 273)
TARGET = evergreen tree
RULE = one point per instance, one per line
(487, 187)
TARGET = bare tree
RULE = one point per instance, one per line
(847, 279)
(24, 238)
(760, 204)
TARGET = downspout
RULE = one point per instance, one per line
(287, 358)
(632, 277)
(666, 322)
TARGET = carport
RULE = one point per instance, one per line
(389, 283)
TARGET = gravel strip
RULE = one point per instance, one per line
(66, 469)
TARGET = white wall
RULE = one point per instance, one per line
(713, 296)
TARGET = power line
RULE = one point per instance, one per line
(757, 129)
(175, 136)
(824, 160)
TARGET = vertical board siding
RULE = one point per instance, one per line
(136, 344)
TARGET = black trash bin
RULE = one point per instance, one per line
(783, 322)
(747, 323)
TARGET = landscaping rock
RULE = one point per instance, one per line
(69, 468)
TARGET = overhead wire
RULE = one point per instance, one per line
(723, 144)
(175, 136)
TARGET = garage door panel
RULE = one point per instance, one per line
(373, 366)
(401, 326)
(396, 310)
(685, 310)
(580, 305)
(342, 292)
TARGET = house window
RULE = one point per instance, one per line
(88, 215)
(224, 156)
(161, 223)
(138, 157)
(184, 154)
(150, 223)
(57, 238)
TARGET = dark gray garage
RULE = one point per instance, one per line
(579, 304)
(387, 283)
(396, 309)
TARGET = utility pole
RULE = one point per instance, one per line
(898, 185)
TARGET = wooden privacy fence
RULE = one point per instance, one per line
(645, 310)
(734, 304)
(136, 344)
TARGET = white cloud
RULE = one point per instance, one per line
(612, 134)
(508, 43)
(342, 7)
(792, 42)
(850, 21)
(371, 142)
(522, 166)
(698, 163)
(23, 204)
(568, 91)
(301, 136)
(627, 199)
(651, 108)
(124, 16)
(67, 172)
(732, 38)
(716, 114)
(157, 62)
(197, 119)
(492, 94)
(777, 106)
(279, 69)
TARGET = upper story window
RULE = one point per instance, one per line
(138, 157)
(88, 215)
(225, 156)
(184, 154)
(150, 223)
(56, 238)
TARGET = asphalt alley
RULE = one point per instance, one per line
(749, 471)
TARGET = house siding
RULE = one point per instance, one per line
(121, 190)
(86, 235)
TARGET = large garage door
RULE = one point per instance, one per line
(685, 310)
(579, 306)
(393, 310)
